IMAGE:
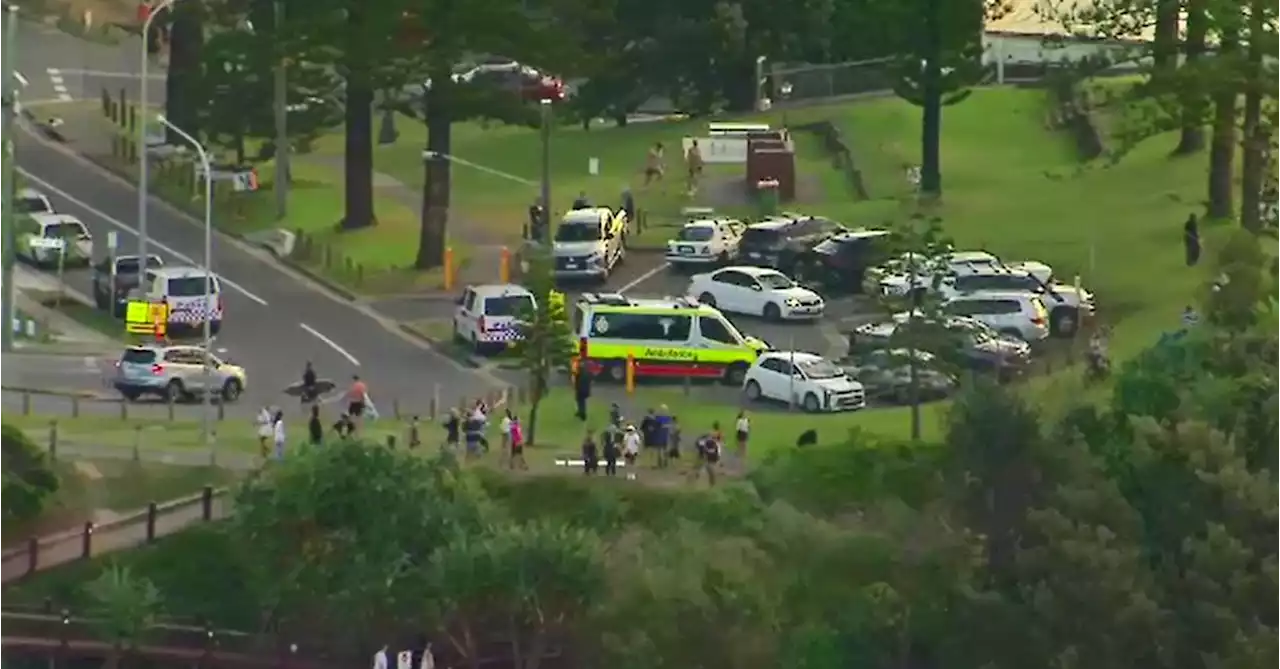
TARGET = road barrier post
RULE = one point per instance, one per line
(170, 403)
(631, 374)
(222, 411)
(435, 401)
(504, 266)
(448, 268)
(124, 410)
(53, 439)
(33, 554)
(395, 407)
(151, 522)
(86, 547)
(206, 503)
(75, 406)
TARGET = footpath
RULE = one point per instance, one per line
(130, 530)
(55, 332)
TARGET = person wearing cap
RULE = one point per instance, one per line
(631, 449)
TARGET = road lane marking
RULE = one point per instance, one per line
(643, 277)
(332, 344)
(112, 221)
(21, 79)
(59, 85)
(102, 74)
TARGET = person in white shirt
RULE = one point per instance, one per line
(742, 430)
(277, 434)
(265, 431)
(380, 659)
(631, 450)
(505, 429)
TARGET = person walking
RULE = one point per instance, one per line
(265, 430)
(741, 433)
(649, 434)
(653, 164)
(673, 439)
(505, 429)
(278, 434)
(590, 456)
(1191, 240)
(357, 399)
(452, 431)
(517, 445)
(315, 429)
(308, 393)
(662, 434)
(693, 162)
(415, 434)
(611, 444)
(708, 458)
(582, 389)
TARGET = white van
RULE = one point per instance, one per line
(487, 315)
(193, 295)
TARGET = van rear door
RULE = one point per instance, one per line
(500, 316)
(193, 299)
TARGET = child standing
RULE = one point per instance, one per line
(277, 434)
(631, 450)
(742, 430)
(516, 437)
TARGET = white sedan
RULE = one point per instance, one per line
(708, 241)
(805, 380)
(758, 291)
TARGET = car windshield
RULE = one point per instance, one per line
(68, 230)
(775, 281)
(130, 265)
(139, 356)
(827, 247)
(507, 305)
(29, 205)
(696, 233)
(191, 286)
(820, 369)
(577, 232)
(760, 237)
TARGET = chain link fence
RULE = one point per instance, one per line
(798, 83)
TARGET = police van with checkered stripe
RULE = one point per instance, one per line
(487, 316)
(193, 295)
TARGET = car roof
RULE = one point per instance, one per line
(178, 272)
(588, 215)
(45, 218)
(796, 356)
(772, 224)
(161, 348)
(28, 193)
(749, 270)
(859, 233)
(500, 290)
(972, 256)
(707, 222)
(995, 294)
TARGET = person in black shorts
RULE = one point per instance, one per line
(653, 165)
(590, 456)
(309, 393)
(356, 397)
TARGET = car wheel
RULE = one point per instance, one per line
(173, 392)
(457, 336)
(214, 328)
(1064, 322)
(615, 371)
(772, 312)
(475, 344)
(707, 299)
(734, 374)
(753, 391)
(130, 395)
(811, 403)
(231, 390)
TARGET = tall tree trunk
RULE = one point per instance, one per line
(931, 104)
(1222, 152)
(1193, 105)
(1253, 135)
(1164, 47)
(358, 161)
(436, 170)
(184, 80)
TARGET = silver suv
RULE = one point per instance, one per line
(176, 373)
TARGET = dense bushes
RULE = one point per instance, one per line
(29, 479)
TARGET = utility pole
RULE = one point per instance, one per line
(10, 182)
(546, 169)
(281, 109)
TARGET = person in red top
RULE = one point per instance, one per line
(517, 444)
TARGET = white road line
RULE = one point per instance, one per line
(101, 74)
(21, 79)
(333, 345)
(128, 230)
(643, 277)
(59, 86)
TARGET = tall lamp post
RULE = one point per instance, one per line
(208, 269)
(143, 178)
(10, 182)
(546, 167)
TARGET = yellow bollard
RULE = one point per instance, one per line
(448, 268)
(504, 266)
(631, 374)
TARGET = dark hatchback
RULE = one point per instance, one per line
(780, 242)
(974, 346)
(838, 264)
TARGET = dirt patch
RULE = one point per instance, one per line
(727, 190)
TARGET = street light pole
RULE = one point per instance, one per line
(280, 109)
(10, 182)
(208, 284)
(144, 114)
(546, 167)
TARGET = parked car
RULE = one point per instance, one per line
(31, 201)
(805, 379)
(967, 343)
(706, 241)
(176, 373)
(757, 291)
(886, 374)
(839, 264)
(912, 271)
(113, 278)
(780, 241)
(1016, 314)
(50, 240)
(1067, 305)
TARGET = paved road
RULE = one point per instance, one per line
(274, 321)
(59, 67)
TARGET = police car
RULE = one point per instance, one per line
(193, 296)
(488, 316)
(590, 242)
(49, 240)
(706, 241)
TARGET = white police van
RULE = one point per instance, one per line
(193, 295)
(487, 316)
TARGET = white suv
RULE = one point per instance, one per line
(894, 278)
(1018, 314)
(487, 316)
(810, 381)
(708, 241)
(1067, 305)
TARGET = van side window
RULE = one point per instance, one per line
(644, 327)
(469, 300)
(715, 330)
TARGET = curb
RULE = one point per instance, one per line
(99, 396)
(312, 275)
(443, 348)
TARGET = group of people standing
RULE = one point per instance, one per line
(470, 429)
(272, 436)
(659, 433)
